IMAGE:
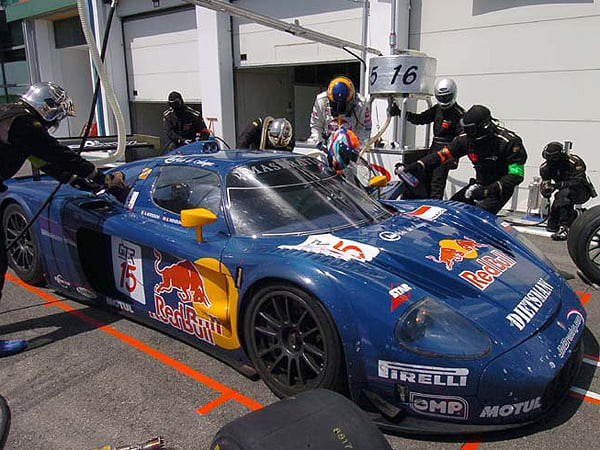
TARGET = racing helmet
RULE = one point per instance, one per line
(445, 92)
(341, 94)
(553, 151)
(342, 148)
(477, 122)
(176, 101)
(279, 133)
(50, 101)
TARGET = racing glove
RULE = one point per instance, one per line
(546, 189)
(394, 110)
(477, 192)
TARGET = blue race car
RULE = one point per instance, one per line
(432, 315)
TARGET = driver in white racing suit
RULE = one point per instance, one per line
(340, 106)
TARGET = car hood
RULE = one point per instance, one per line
(465, 261)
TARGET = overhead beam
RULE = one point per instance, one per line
(292, 28)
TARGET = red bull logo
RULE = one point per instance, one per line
(456, 250)
(182, 277)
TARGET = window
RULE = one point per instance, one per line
(183, 187)
(14, 73)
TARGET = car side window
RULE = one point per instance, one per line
(184, 187)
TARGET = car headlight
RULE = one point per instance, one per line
(428, 327)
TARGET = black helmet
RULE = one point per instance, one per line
(477, 122)
(553, 151)
(176, 100)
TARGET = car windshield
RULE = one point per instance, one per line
(296, 195)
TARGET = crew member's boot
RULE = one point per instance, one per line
(561, 234)
(12, 346)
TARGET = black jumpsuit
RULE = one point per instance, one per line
(498, 160)
(181, 126)
(573, 188)
(446, 126)
(22, 136)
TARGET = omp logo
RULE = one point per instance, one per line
(513, 409)
(425, 375)
(455, 250)
(182, 277)
(527, 308)
(439, 405)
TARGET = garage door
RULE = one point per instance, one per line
(162, 55)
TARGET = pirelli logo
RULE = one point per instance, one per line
(424, 375)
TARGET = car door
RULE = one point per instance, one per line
(179, 283)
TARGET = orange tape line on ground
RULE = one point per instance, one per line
(588, 396)
(583, 298)
(227, 392)
(470, 446)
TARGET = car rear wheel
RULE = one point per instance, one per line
(583, 242)
(292, 341)
(24, 256)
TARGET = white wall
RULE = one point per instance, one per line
(162, 54)
(532, 62)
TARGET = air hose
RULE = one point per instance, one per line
(85, 134)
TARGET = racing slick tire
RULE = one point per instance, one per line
(319, 419)
(24, 257)
(583, 242)
(292, 341)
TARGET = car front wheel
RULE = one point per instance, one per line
(583, 242)
(292, 341)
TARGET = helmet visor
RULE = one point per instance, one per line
(444, 99)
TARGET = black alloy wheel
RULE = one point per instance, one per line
(24, 256)
(583, 242)
(293, 342)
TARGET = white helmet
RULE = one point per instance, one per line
(50, 101)
(279, 133)
(446, 92)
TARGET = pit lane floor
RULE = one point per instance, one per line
(92, 378)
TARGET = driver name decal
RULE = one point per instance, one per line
(527, 308)
(330, 245)
(127, 269)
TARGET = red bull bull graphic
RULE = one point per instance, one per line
(455, 250)
(183, 278)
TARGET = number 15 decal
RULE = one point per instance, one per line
(127, 269)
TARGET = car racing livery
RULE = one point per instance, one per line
(434, 315)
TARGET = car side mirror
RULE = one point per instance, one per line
(378, 181)
(197, 217)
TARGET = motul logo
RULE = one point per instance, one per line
(514, 409)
